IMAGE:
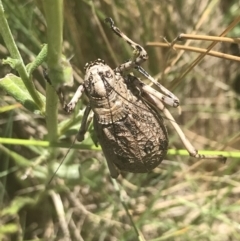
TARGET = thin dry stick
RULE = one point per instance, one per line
(201, 56)
(197, 50)
(204, 15)
(208, 38)
(75, 231)
(61, 214)
(191, 197)
(94, 218)
(104, 35)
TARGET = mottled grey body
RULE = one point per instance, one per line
(133, 136)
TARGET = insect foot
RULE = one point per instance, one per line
(126, 115)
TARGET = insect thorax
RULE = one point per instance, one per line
(108, 94)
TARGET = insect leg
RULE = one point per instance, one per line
(71, 105)
(174, 100)
(112, 168)
(156, 102)
(86, 120)
(149, 90)
(140, 54)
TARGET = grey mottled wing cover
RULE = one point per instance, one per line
(138, 141)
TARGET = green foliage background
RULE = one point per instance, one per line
(182, 199)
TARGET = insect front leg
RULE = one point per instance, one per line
(155, 101)
(86, 120)
(140, 54)
(71, 105)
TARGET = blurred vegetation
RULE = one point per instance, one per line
(182, 199)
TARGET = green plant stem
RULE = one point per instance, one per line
(51, 113)
(20, 67)
(11, 141)
(54, 16)
(180, 152)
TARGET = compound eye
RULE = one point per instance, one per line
(108, 74)
(90, 78)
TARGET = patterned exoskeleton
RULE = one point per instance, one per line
(126, 117)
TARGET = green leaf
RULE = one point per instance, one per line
(42, 56)
(15, 87)
(67, 70)
(16, 205)
(9, 107)
(20, 160)
(14, 63)
(8, 228)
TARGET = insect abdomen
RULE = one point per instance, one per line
(138, 142)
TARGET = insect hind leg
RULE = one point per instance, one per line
(168, 97)
(140, 54)
(189, 147)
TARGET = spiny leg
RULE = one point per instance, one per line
(86, 120)
(140, 54)
(169, 95)
(156, 102)
(71, 105)
(135, 82)
(190, 148)
(170, 98)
